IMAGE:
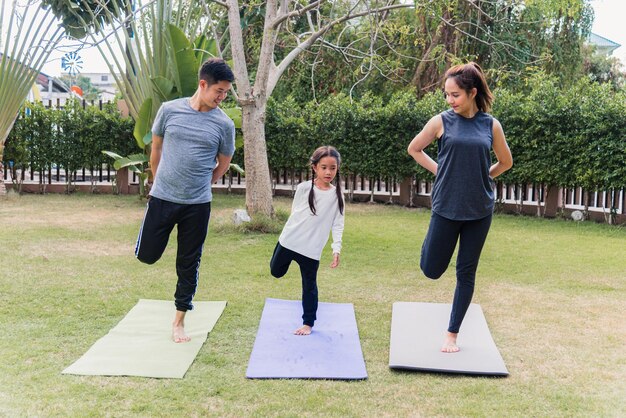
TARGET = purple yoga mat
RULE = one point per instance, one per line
(332, 351)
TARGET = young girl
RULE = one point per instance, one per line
(317, 210)
(462, 196)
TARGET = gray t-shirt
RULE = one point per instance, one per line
(191, 142)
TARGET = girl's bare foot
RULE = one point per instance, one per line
(449, 345)
(178, 328)
(303, 330)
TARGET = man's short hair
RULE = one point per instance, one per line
(215, 70)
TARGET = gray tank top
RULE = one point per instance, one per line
(463, 189)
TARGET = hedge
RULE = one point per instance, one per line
(71, 137)
(561, 137)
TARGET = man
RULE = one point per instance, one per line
(192, 144)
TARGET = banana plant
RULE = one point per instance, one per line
(136, 163)
(187, 57)
(146, 46)
(177, 77)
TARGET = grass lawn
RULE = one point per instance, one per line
(553, 293)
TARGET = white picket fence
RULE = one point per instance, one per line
(533, 195)
(374, 189)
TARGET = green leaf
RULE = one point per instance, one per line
(238, 169)
(147, 139)
(235, 114)
(164, 87)
(238, 140)
(127, 162)
(112, 155)
(143, 122)
(179, 39)
(204, 48)
(138, 158)
(186, 65)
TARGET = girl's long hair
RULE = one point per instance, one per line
(318, 154)
(469, 76)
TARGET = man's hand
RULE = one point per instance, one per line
(223, 164)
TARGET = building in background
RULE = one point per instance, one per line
(58, 89)
(105, 82)
(602, 45)
(49, 89)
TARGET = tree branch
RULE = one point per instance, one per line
(237, 49)
(266, 64)
(221, 3)
(469, 35)
(281, 18)
(280, 69)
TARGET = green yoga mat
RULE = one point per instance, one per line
(141, 344)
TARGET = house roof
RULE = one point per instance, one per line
(43, 80)
(603, 44)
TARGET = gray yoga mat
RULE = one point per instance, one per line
(141, 343)
(332, 351)
(417, 333)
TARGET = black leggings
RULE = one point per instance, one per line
(193, 223)
(437, 251)
(279, 265)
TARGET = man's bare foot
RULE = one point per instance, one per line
(303, 330)
(178, 334)
(449, 345)
(178, 328)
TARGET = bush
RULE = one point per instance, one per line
(561, 137)
(72, 137)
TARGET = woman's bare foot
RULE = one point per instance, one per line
(178, 328)
(303, 330)
(449, 345)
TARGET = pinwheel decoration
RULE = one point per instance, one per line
(72, 63)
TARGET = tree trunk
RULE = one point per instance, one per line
(3, 138)
(550, 201)
(351, 187)
(3, 190)
(418, 77)
(258, 181)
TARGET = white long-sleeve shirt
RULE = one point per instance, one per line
(306, 233)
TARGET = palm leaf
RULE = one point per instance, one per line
(28, 42)
(185, 63)
(143, 123)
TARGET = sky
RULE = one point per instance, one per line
(610, 22)
(92, 61)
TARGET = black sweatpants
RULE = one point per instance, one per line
(192, 220)
(279, 265)
(437, 251)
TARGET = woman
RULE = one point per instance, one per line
(462, 195)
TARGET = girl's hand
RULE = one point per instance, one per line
(335, 262)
